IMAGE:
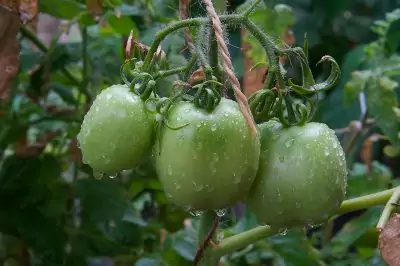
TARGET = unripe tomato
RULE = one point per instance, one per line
(301, 178)
(211, 162)
(117, 131)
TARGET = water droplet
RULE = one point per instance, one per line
(226, 114)
(289, 143)
(168, 195)
(113, 175)
(169, 170)
(178, 118)
(335, 144)
(326, 152)
(187, 110)
(281, 158)
(283, 232)
(195, 213)
(236, 178)
(213, 127)
(177, 185)
(98, 175)
(298, 205)
(210, 188)
(220, 212)
(197, 187)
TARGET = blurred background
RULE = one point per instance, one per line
(57, 55)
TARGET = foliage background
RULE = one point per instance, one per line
(54, 212)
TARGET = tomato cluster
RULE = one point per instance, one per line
(208, 157)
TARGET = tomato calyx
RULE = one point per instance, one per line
(207, 96)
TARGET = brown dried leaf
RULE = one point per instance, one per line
(196, 77)
(9, 50)
(28, 10)
(367, 149)
(95, 6)
(10, 5)
(389, 241)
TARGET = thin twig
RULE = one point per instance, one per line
(206, 241)
(228, 67)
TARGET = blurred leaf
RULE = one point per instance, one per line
(65, 9)
(149, 262)
(102, 200)
(294, 248)
(381, 101)
(361, 183)
(356, 85)
(122, 24)
(352, 231)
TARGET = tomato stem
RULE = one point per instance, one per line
(191, 22)
(366, 201)
(230, 244)
(178, 70)
(389, 208)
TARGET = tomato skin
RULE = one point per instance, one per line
(210, 163)
(301, 178)
(117, 131)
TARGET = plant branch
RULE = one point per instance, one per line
(241, 240)
(366, 201)
(389, 208)
(160, 36)
(250, 9)
(178, 70)
(270, 49)
(232, 243)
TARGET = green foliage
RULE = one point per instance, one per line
(53, 211)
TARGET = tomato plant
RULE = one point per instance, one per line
(197, 164)
(117, 131)
(301, 180)
(241, 137)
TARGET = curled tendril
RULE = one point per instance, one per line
(309, 86)
(298, 113)
(207, 95)
(264, 105)
(127, 65)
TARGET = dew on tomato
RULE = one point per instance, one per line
(207, 164)
(302, 175)
(116, 131)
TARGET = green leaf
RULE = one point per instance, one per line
(381, 101)
(352, 231)
(356, 85)
(122, 25)
(102, 199)
(63, 9)
(295, 249)
(361, 183)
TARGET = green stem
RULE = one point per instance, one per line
(241, 240)
(366, 201)
(178, 70)
(250, 9)
(389, 208)
(206, 223)
(270, 49)
(230, 244)
(160, 36)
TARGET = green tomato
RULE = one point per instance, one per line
(212, 161)
(117, 131)
(301, 178)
